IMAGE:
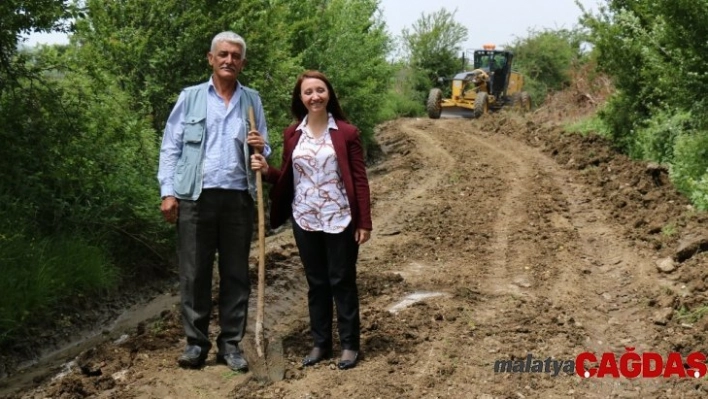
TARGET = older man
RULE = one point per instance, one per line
(208, 189)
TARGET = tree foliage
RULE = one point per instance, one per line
(76, 157)
(158, 48)
(21, 17)
(434, 46)
(348, 42)
(545, 58)
(657, 54)
(78, 179)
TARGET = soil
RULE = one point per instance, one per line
(529, 241)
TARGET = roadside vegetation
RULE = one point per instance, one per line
(655, 52)
(81, 123)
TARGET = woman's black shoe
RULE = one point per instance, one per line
(349, 359)
(316, 356)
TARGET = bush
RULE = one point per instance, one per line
(689, 169)
(397, 105)
(617, 115)
(699, 193)
(403, 99)
(545, 59)
(79, 162)
(655, 53)
(78, 193)
(656, 140)
(590, 125)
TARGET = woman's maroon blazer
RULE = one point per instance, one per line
(350, 157)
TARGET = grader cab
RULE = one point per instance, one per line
(491, 85)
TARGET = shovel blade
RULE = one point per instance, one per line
(268, 368)
(275, 360)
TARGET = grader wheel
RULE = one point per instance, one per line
(434, 103)
(525, 101)
(481, 104)
(516, 101)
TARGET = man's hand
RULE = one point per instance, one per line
(170, 209)
(255, 140)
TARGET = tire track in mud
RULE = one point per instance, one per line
(402, 191)
(603, 299)
(516, 177)
(435, 164)
(576, 288)
(496, 186)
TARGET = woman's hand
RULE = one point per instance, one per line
(362, 235)
(258, 162)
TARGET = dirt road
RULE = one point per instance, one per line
(520, 242)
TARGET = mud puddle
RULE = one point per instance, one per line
(412, 299)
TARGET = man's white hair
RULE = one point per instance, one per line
(230, 37)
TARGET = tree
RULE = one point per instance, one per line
(21, 17)
(545, 58)
(346, 40)
(434, 45)
(157, 48)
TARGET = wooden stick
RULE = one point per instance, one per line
(260, 307)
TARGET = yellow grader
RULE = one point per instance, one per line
(491, 85)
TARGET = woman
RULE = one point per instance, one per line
(322, 185)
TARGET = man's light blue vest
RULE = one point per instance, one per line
(189, 170)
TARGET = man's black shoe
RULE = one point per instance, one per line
(193, 357)
(234, 360)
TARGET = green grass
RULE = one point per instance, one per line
(692, 316)
(397, 105)
(669, 230)
(40, 273)
(589, 125)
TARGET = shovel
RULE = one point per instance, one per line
(271, 368)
